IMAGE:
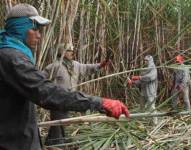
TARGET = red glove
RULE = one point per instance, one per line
(136, 77)
(105, 63)
(114, 108)
(130, 82)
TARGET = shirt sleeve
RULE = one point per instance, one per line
(151, 76)
(24, 77)
(87, 68)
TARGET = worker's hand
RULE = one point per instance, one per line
(114, 108)
(136, 78)
(105, 63)
(130, 82)
(180, 87)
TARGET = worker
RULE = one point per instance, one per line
(181, 83)
(147, 82)
(66, 72)
(22, 85)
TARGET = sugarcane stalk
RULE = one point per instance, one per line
(102, 118)
(112, 75)
(124, 72)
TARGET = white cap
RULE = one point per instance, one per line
(26, 10)
(69, 47)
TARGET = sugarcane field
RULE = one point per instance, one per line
(95, 75)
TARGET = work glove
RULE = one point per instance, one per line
(114, 108)
(104, 63)
(136, 78)
(130, 82)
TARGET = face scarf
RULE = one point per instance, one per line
(15, 33)
(69, 65)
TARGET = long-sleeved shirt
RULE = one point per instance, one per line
(21, 86)
(181, 76)
(61, 76)
(148, 83)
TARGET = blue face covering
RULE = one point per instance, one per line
(15, 33)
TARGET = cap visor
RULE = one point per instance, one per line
(40, 20)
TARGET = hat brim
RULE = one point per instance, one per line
(70, 50)
(40, 20)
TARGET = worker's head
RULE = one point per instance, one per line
(179, 58)
(66, 51)
(23, 23)
(69, 52)
(148, 59)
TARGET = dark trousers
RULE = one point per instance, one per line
(56, 134)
